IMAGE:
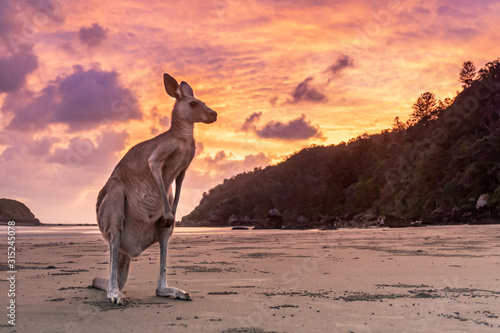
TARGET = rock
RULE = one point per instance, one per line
(221, 213)
(370, 216)
(456, 212)
(438, 212)
(239, 228)
(328, 222)
(392, 221)
(232, 219)
(358, 217)
(466, 215)
(274, 220)
(482, 202)
(274, 213)
(346, 217)
(12, 210)
(301, 220)
(367, 216)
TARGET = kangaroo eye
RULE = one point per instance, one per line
(193, 104)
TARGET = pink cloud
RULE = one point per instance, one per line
(341, 63)
(83, 100)
(15, 68)
(249, 123)
(82, 151)
(296, 129)
(93, 36)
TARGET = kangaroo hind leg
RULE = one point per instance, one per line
(123, 269)
(111, 218)
(162, 288)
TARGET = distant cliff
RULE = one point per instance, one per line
(12, 210)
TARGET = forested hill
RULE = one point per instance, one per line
(433, 168)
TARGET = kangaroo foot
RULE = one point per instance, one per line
(174, 293)
(117, 297)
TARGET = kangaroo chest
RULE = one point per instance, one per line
(179, 161)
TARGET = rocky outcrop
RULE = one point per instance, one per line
(392, 221)
(223, 211)
(482, 202)
(12, 210)
(274, 220)
(232, 219)
(477, 211)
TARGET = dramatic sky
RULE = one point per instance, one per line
(81, 82)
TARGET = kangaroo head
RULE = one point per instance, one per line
(187, 107)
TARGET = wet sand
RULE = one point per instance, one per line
(430, 279)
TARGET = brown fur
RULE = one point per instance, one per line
(136, 207)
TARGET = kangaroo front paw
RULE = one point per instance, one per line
(117, 297)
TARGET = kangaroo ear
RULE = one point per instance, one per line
(186, 89)
(171, 86)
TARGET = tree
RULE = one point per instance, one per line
(491, 68)
(397, 125)
(442, 105)
(467, 74)
(424, 109)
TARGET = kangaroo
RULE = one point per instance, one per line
(136, 207)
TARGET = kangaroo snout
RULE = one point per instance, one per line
(212, 117)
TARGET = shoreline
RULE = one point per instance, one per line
(489, 221)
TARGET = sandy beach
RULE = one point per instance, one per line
(429, 279)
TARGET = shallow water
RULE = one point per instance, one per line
(51, 230)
